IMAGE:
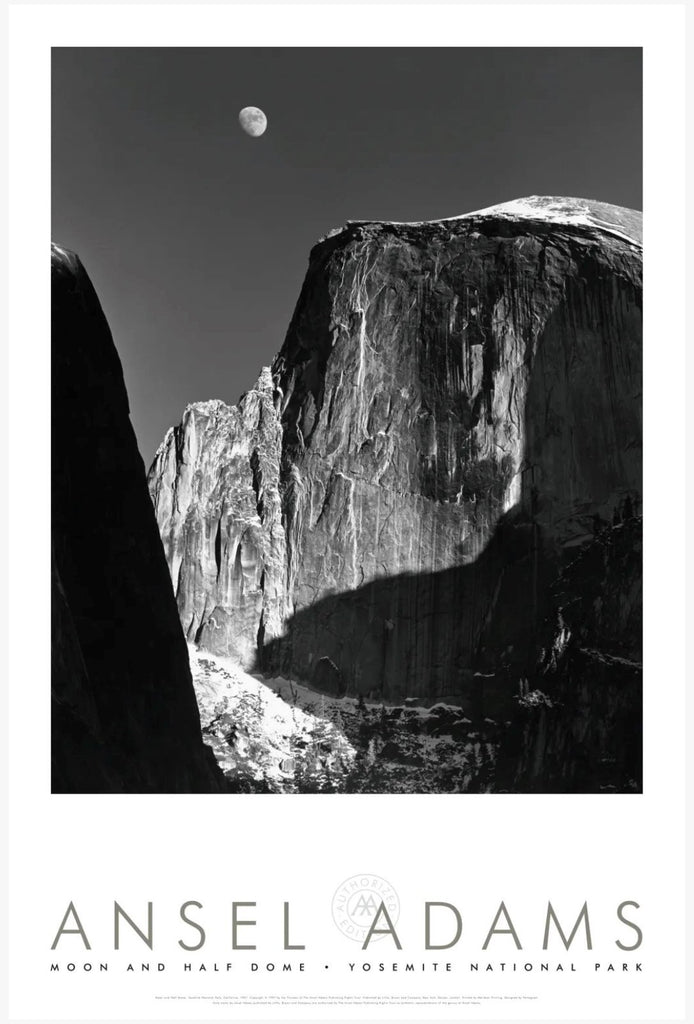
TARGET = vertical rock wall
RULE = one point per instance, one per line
(215, 488)
(455, 410)
(125, 718)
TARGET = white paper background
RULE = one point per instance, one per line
(472, 851)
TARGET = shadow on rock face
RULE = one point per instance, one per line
(421, 635)
(547, 642)
(524, 616)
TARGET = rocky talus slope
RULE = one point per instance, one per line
(425, 494)
(124, 713)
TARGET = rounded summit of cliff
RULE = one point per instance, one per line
(562, 211)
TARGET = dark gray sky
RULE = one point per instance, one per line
(197, 236)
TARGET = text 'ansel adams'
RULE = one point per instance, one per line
(442, 927)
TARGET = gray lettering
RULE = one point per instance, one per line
(502, 931)
(194, 924)
(551, 916)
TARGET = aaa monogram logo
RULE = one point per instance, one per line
(357, 903)
(365, 905)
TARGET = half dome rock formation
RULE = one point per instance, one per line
(453, 421)
(124, 713)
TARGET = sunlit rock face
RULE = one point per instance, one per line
(124, 713)
(456, 408)
(215, 483)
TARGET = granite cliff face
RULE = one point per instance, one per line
(216, 490)
(124, 713)
(453, 420)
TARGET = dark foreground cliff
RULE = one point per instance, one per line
(124, 714)
(435, 492)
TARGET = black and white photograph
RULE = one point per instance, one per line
(347, 420)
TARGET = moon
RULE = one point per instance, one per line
(253, 121)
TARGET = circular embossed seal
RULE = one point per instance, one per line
(357, 902)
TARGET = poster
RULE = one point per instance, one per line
(479, 905)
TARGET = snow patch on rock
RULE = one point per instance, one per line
(260, 737)
(560, 210)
